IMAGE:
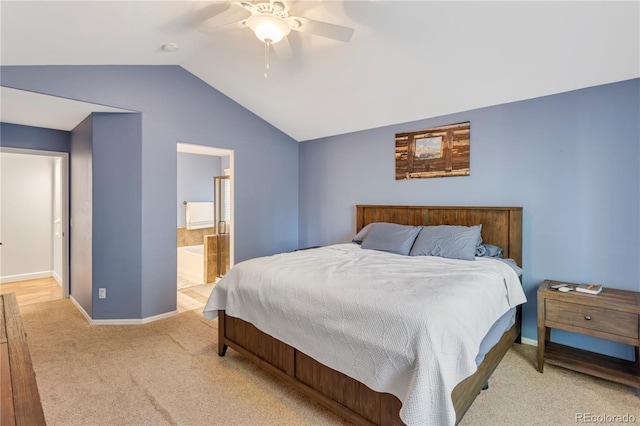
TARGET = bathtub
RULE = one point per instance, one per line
(190, 265)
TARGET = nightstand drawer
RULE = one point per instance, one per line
(598, 319)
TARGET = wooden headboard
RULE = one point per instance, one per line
(501, 226)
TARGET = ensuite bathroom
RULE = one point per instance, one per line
(204, 228)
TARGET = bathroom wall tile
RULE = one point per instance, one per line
(193, 237)
(211, 258)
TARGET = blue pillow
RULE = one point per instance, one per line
(389, 237)
(450, 241)
(363, 233)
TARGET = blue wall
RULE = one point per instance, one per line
(570, 160)
(178, 107)
(104, 204)
(81, 215)
(27, 137)
(117, 215)
(195, 180)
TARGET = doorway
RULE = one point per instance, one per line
(34, 220)
(205, 228)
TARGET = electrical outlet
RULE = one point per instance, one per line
(102, 293)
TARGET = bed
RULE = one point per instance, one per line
(332, 378)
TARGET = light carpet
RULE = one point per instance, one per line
(168, 373)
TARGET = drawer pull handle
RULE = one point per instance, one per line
(587, 317)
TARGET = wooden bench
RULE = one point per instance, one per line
(20, 401)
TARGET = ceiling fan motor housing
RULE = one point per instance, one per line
(276, 9)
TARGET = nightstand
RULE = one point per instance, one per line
(613, 315)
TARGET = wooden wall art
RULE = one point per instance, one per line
(435, 152)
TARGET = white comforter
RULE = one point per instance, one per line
(407, 325)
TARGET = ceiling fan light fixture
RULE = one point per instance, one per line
(268, 28)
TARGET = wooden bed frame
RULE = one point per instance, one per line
(501, 226)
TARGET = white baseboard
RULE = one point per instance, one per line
(527, 341)
(24, 277)
(132, 321)
(80, 308)
(57, 277)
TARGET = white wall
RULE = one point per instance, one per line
(58, 229)
(26, 216)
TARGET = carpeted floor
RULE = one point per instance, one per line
(168, 372)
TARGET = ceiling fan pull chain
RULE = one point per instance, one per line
(266, 57)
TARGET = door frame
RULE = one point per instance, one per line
(64, 200)
(190, 148)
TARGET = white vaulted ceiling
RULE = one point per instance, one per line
(50, 112)
(407, 60)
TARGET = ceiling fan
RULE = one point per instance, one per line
(270, 21)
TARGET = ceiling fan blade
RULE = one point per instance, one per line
(221, 29)
(295, 43)
(195, 18)
(289, 4)
(208, 12)
(247, 5)
(289, 53)
(324, 29)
